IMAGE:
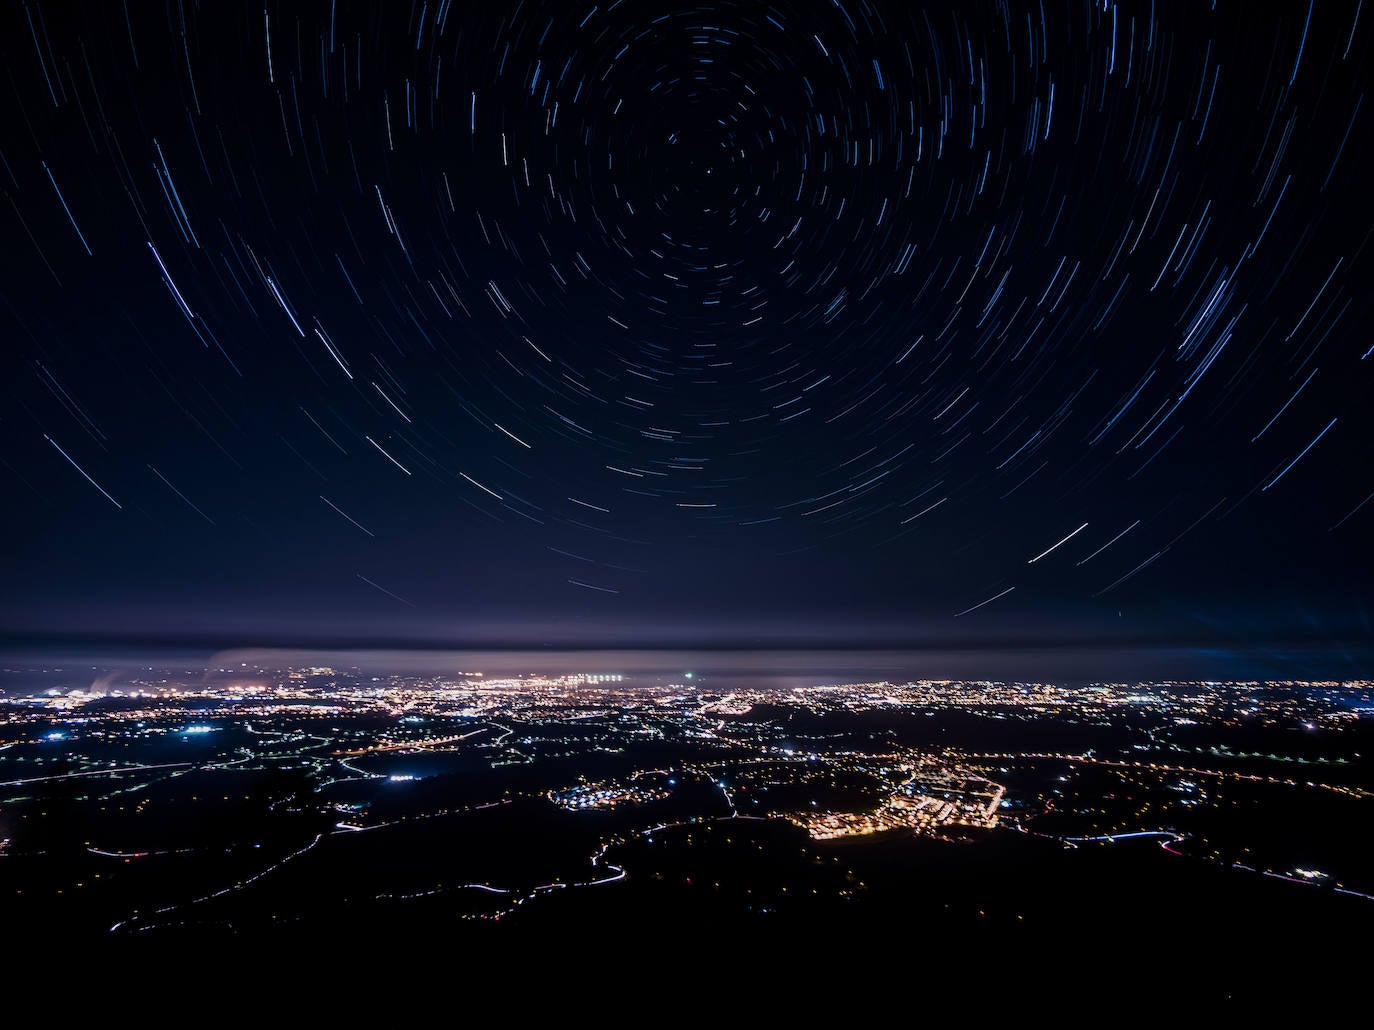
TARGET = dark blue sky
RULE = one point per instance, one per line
(985, 324)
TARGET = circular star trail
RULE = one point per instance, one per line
(336, 312)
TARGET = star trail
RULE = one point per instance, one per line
(537, 319)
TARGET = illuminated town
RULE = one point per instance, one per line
(243, 797)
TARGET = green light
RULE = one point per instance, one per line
(689, 675)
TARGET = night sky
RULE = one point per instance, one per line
(627, 322)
